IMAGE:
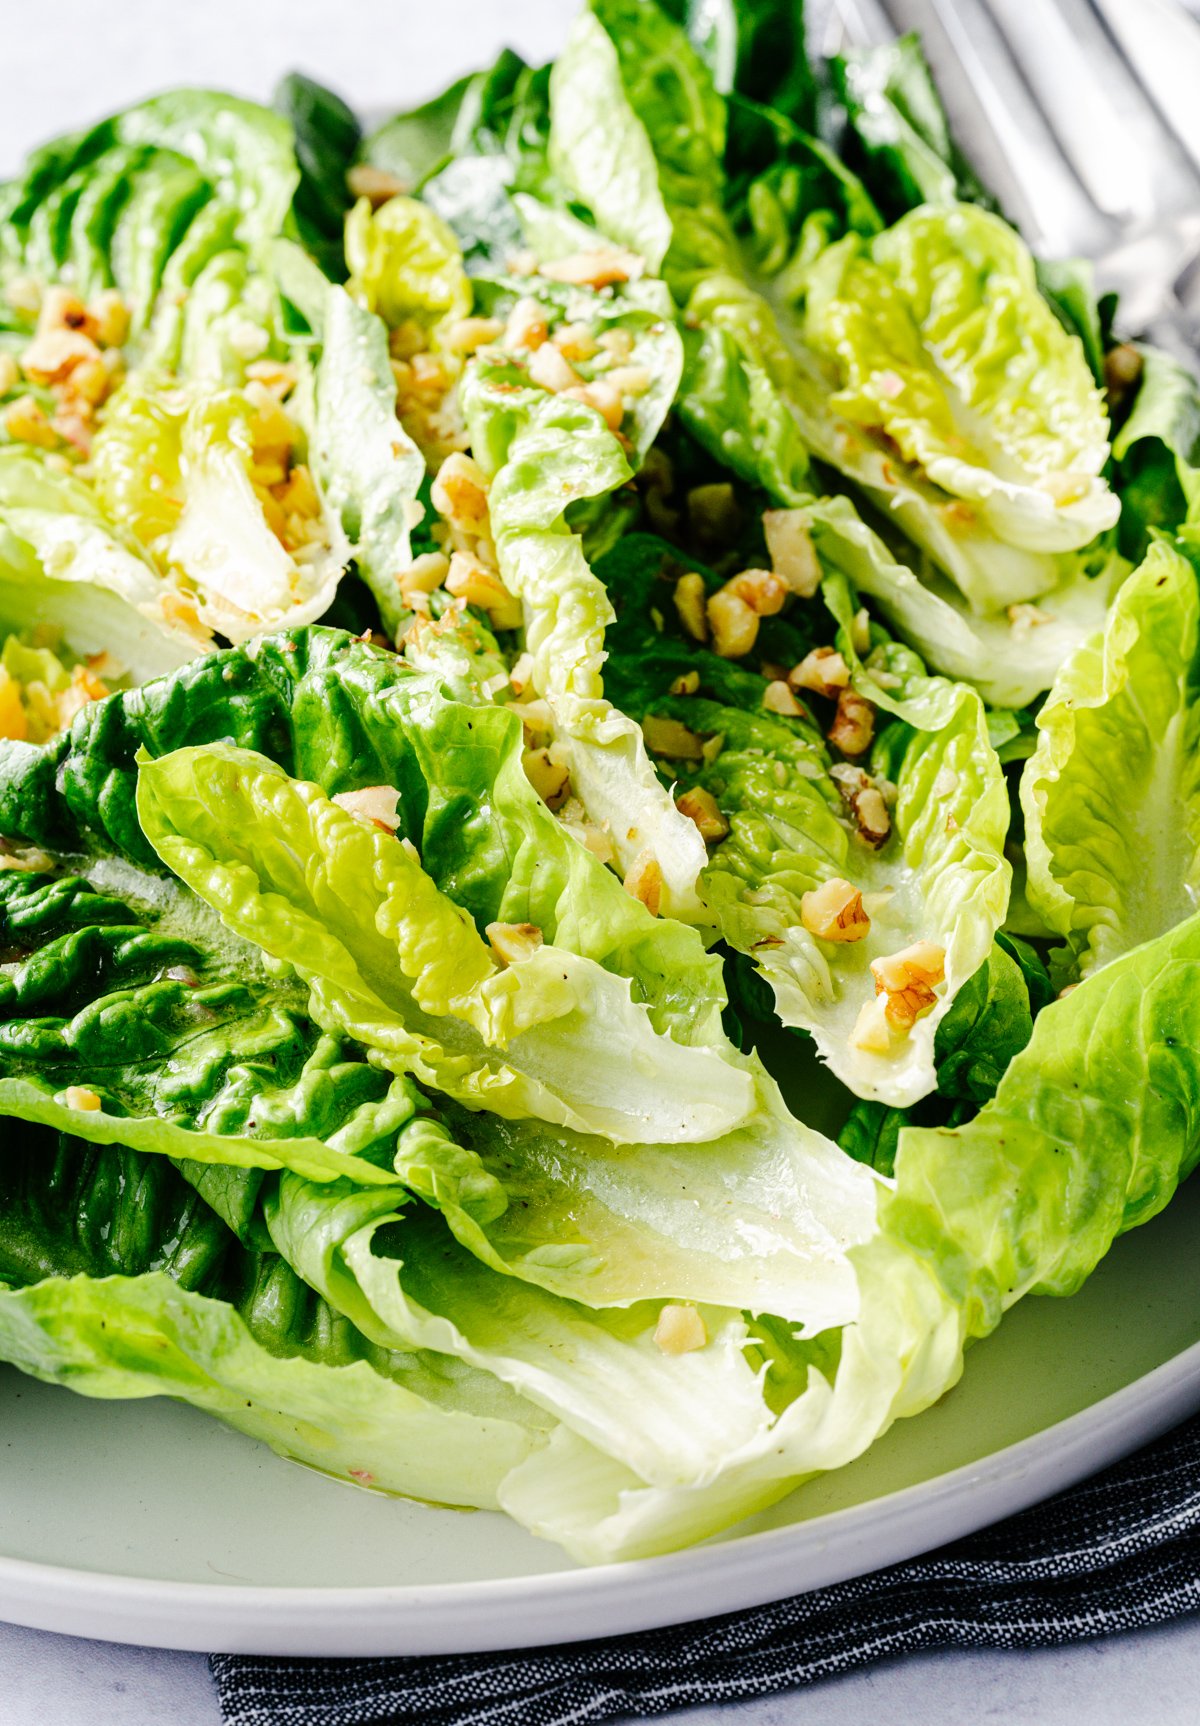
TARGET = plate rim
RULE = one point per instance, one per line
(556, 1607)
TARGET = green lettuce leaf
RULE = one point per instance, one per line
(1111, 795)
(396, 964)
(116, 1279)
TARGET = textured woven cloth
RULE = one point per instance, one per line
(1120, 1551)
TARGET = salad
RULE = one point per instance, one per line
(599, 771)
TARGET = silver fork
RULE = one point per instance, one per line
(1083, 117)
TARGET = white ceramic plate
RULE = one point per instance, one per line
(146, 1522)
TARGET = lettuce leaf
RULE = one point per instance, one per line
(543, 453)
(1111, 795)
(397, 965)
(116, 1279)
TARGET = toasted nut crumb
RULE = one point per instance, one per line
(687, 683)
(872, 1032)
(575, 342)
(854, 723)
(690, 604)
(468, 334)
(480, 586)
(549, 778)
(460, 493)
(629, 380)
(734, 624)
(376, 185)
(793, 557)
(617, 344)
(700, 807)
(537, 718)
(25, 422)
(54, 352)
(526, 326)
(871, 813)
(712, 747)
(669, 738)
(552, 371)
(512, 942)
(644, 881)
(762, 590)
(374, 804)
(110, 316)
(599, 395)
(602, 268)
(521, 676)
(824, 671)
(424, 574)
(79, 1097)
(907, 981)
(680, 1329)
(778, 698)
(834, 912)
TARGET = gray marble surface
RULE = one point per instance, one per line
(66, 64)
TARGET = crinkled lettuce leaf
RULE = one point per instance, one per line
(118, 1280)
(396, 964)
(544, 452)
(1112, 793)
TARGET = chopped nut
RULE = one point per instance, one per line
(79, 1097)
(762, 590)
(110, 315)
(778, 698)
(667, 737)
(480, 586)
(575, 341)
(460, 493)
(512, 942)
(907, 980)
(690, 599)
(872, 1032)
(834, 912)
(871, 813)
(854, 723)
(600, 395)
(374, 804)
(700, 807)
(712, 747)
(680, 1329)
(537, 718)
(617, 344)
(629, 380)
(824, 671)
(54, 352)
(25, 422)
(376, 185)
(550, 370)
(424, 574)
(602, 268)
(526, 326)
(644, 881)
(793, 557)
(734, 624)
(521, 675)
(946, 783)
(687, 683)
(468, 334)
(549, 778)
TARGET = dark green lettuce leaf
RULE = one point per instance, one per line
(326, 137)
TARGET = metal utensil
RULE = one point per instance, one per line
(1083, 118)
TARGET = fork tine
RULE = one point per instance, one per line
(1115, 140)
(997, 121)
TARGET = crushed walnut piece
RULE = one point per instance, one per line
(376, 805)
(680, 1329)
(512, 942)
(549, 778)
(790, 546)
(690, 597)
(671, 739)
(823, 671)
(907, 981)
(853, 726)
(834, 911)
(865, 803)
(605, 267)
(643, 880)
(700, 807)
